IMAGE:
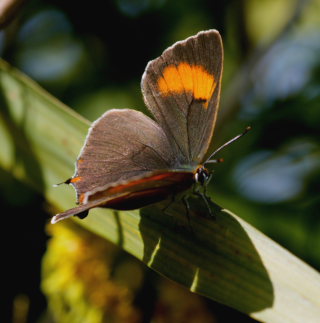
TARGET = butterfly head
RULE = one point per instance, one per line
(201, 175)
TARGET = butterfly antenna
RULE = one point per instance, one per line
(209, 160)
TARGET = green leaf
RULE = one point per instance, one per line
(223, 258)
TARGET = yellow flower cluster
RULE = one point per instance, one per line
(78, 279)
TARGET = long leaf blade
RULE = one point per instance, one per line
(224, 258)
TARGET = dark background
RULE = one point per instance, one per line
(91, 55)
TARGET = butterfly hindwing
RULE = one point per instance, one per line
(120, 145)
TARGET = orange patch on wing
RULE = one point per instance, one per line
(81, 198)
(159, 177)
(187, 78)
(75, 179)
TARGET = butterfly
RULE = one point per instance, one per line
(130, 160)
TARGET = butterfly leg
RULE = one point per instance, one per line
(206, 200)
(187, 206)
(207, 182)
(172, 200)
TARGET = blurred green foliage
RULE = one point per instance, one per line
(92, 56)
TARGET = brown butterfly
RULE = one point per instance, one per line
(130, 160)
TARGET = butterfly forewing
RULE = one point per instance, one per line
(181, 88)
